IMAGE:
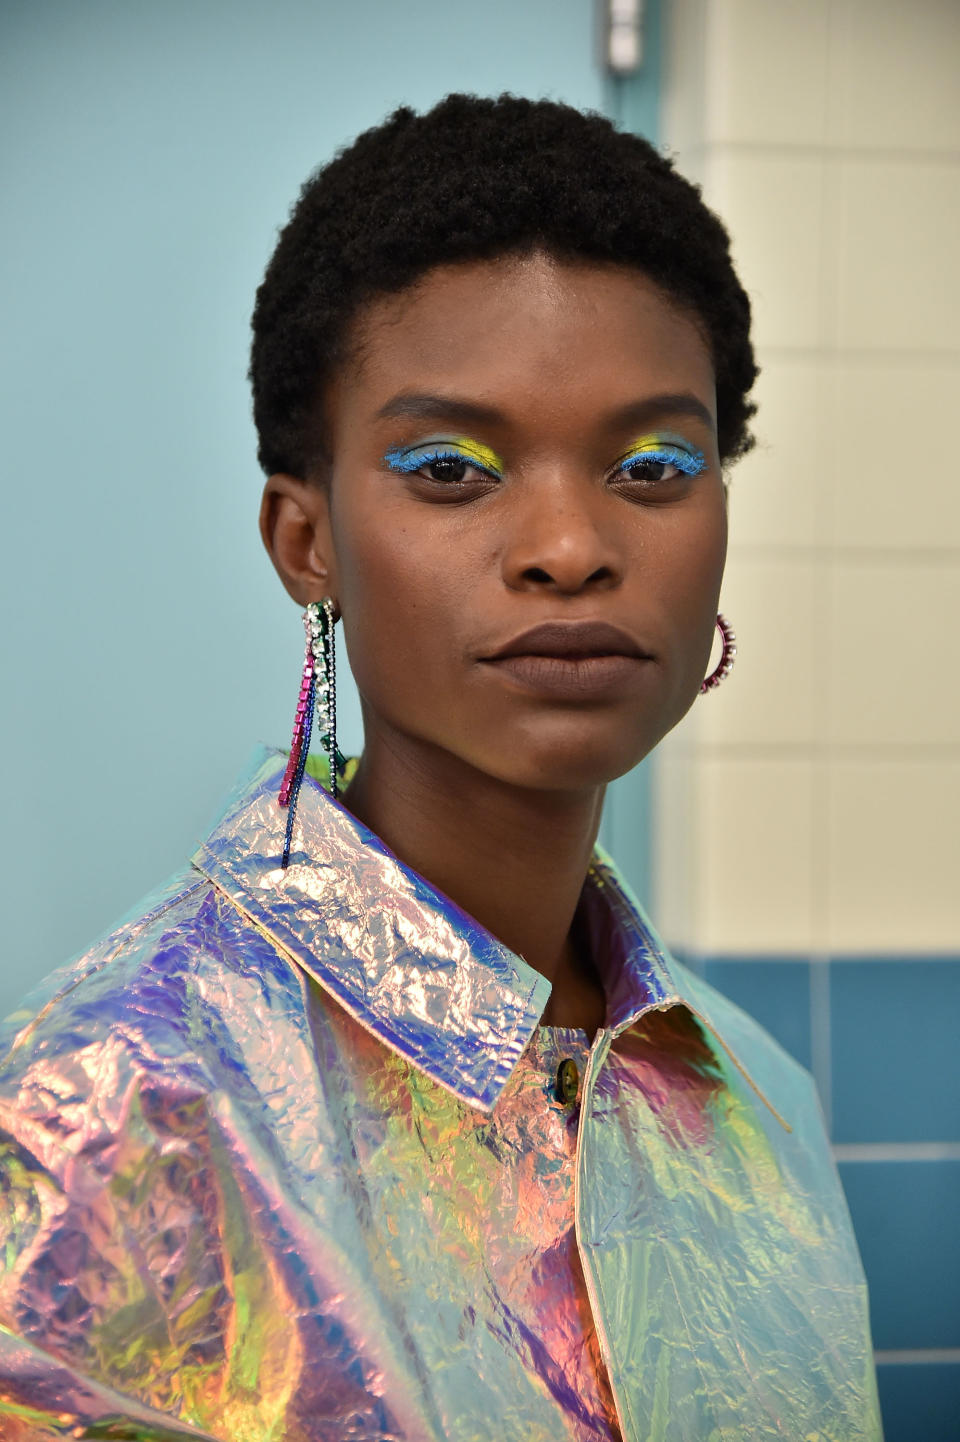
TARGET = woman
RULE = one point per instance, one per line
(390, 1117)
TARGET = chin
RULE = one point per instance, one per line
(573, 765)
(555, 753)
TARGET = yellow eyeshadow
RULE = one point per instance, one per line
(483, 455)
(647, 443)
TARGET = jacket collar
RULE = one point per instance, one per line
(404, 960)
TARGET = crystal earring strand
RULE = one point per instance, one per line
(727, 656)
(318, 694)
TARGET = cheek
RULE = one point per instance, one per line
(712, 554)
(688, 561)
(689, 550)
(709, 558)
(395, 593)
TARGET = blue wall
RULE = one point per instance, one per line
(881, 1038)
(151, 151)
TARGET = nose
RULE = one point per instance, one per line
(563, 541)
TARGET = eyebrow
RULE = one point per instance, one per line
(422, 405)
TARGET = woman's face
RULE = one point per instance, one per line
(518, 444)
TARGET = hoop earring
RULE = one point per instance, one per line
(318, 694)
(725, 664)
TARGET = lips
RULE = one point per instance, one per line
(573, 661)
(572, 640)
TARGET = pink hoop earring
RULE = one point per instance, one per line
(725, 664)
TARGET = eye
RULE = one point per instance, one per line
(646, 469)
(450, 468)
(444, 464)
(655, 464)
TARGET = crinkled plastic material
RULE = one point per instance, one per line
(285, 1157)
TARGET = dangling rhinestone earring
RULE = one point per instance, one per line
(725, 664)
(318, 693)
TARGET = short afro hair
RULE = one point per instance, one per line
(472, 179)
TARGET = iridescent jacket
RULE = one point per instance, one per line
(286, 1157)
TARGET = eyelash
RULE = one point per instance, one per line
(688, 462)
(407, 462)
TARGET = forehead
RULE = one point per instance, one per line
(547, 336)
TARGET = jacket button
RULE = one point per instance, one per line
(568, 1079)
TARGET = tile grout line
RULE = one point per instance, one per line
(821, 684)
(896, 1152)
(918, 1356)
(905, 752)
(820, 1059)
(831, 223)
(834, 154)
(868, 555)
(770, 957)
(877, 357)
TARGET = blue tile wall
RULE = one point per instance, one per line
(891, 1030)
(776, 993)
(894, 1048)
(920, 1403)
(907, 1219)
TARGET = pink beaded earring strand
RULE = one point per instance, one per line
(728, 654)
(318, 695)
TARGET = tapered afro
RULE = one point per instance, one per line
(471, 179)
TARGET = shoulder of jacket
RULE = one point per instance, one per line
(145, 964)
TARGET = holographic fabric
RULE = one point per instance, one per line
(283, 1158)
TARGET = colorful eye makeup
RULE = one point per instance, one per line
(407, 459)
(661, 449)
(665, 450)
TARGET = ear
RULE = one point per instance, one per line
(295, 527)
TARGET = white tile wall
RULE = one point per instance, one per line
(683, 78)
(778, 490)
(894, 473)
(754, 856)
(894, 856)
(769, 696)
(893, 74)
(773, 204)
(898, 239)
(675, 872)
(894, 649)
(735, 854)
(813, 805)
(784, 48)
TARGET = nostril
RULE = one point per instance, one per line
(540, 576)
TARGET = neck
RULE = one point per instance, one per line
(514, 858)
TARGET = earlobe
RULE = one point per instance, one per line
(295, 529)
